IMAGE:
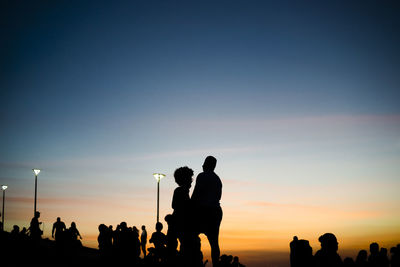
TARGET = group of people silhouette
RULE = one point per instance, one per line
(200, 213)
(193, 215)
(301, 255)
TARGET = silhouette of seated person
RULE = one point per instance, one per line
(362, 257)
(159, 240)
(206, 200)
(327, 256)
(300, 253)
(226, 260)
(236, 262)
(58, 230)
(34, 228)
(23, 231)
(15, 231)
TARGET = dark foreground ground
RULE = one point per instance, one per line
(22, 251)
(25, 252)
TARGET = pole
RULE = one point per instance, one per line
(158, 198)
(2, 216)
(34, 212)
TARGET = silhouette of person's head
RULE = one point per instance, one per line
(143, 227)
(209, 163)
(169, 218)
(58, 219)
(37, 214)
(183, 176)
(328, 242)
(102, 228)
(73, 225)
(362, 256)
(159, 227)
(15, 229)
(123, 226)
(374, 248)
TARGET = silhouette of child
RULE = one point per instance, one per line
(159, 240)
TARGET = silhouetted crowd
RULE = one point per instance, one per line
(301, 255)
(116, 247)
(193, 215)
(200, 213)
(124, 244)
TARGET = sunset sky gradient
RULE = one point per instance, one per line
(299, 104)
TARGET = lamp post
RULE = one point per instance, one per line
(36, 172)
(158, 177)
(3, 187)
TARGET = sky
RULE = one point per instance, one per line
(299, 102)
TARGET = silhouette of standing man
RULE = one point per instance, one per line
(59, 228)
(206, 196)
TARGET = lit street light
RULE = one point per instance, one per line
(36, 172)
(3, 187)
(158, 177)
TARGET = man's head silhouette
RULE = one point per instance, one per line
(58, 219)
(209, 163)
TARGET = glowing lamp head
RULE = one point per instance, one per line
(36, 171)
(4, 187)
(158, 176)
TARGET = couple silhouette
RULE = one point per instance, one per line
(200, 213)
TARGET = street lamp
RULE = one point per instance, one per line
(36, 172)
(3, 187)
(158, 177)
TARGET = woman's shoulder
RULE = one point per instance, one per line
(181, 190)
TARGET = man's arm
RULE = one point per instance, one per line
(219, 189)
(52, 231)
